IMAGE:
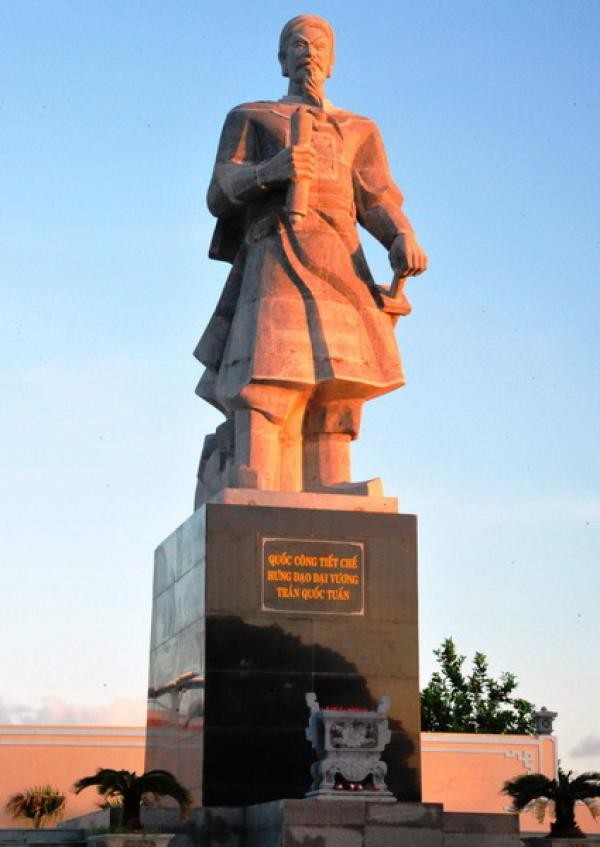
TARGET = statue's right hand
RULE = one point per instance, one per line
(290, 164)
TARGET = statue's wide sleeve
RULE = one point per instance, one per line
(234, 180)
(378, 199)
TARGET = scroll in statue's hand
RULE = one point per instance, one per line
(407, 258)
(290, 164)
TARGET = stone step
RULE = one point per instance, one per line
(590, 841)
(42, 837)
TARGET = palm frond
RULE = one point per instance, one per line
(40, 804)
(164, 784)
(108, 782)
(586, 785)
(527, 788)
(539, 808)
(111, 803)
(593, 806)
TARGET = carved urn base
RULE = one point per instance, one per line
(348, 744)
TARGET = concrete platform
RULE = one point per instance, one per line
(590, 841)
(287, 823)
(45, 837)
(328, 823)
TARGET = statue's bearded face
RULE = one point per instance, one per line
(308, 56)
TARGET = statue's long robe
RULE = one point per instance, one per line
(300, 307)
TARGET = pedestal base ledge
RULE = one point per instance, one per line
(306, 500)
(351, 796)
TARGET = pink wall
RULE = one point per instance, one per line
(464, 772)
(34, 755)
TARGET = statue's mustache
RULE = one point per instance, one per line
(310, 64)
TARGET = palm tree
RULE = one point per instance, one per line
(40, 804)
(131, 789)
(537, 791)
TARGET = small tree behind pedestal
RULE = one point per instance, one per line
(455, 702)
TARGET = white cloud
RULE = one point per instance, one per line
(588, 746)
(55, 710)
(5, 716)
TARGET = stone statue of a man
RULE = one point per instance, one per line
(301, 335)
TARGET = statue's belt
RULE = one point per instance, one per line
(343, 213)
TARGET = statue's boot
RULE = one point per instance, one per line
(327, 466)
(291, 475)
(268, 437)
(365, 488)
(257, 459)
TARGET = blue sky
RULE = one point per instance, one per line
(110, 114)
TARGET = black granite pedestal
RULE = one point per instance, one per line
(253, 606)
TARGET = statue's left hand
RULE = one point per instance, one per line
(407, 257)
